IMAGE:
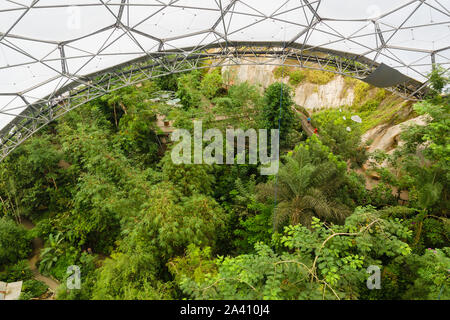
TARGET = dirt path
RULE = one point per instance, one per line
(38, 244)
(306, 126)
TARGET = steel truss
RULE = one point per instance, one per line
(160, 64)
(151, 36)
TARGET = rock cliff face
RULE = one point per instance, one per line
(387, 138)
(255, 74)
(334, 94)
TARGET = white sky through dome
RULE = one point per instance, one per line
(36, 36)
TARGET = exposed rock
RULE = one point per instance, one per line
(387, 138)
(331, 95)
(255, 74)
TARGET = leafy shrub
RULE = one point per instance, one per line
(14, 242)
(32, 289)
(188, 89)
(281, 71)
(325, 261)
(296, 76)
(211, 84)
(369, 105)
(16, 272)
(59, 269)
(438, 78)
(360, 89)
(21, 271)
(87, 264)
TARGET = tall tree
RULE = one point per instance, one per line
(277, 111)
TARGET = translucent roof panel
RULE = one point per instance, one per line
(47, 44)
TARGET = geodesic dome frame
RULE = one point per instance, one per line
(57, 56)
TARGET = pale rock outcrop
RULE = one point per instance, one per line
(387, 138)
(331, 95)
(254, 74)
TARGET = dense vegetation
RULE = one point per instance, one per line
(104, 194)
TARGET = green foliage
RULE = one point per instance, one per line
(254, 229)
(28, 178)
(138, 135)
(307, 181)
(319, 77)
(164, 228)
(255, 217)
(188, 89)
(244, 95)
(369, 106)
(98, 205)
(169, 82)
(427, 180)
(87, 264)
(104, 194)
(50, 254)
(438, 78)
(325, 262)
(334, 134)
(189, 178)
(415, 277)
(381, 195)
(433, 275)
(437, 133)
(21, 271)
(171, 225)
(241, 107)
(361, 90)
(131, 114)
(119, 103)
(434, 232)
(14, 242)
(129, 276)
(32, 289)
(281, 71)
(296, 77)
(367, 100)
(197, 264)
(211, 84)
(16, 272)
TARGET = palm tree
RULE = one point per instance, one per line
(304, 185)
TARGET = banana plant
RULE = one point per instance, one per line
(50, 254)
